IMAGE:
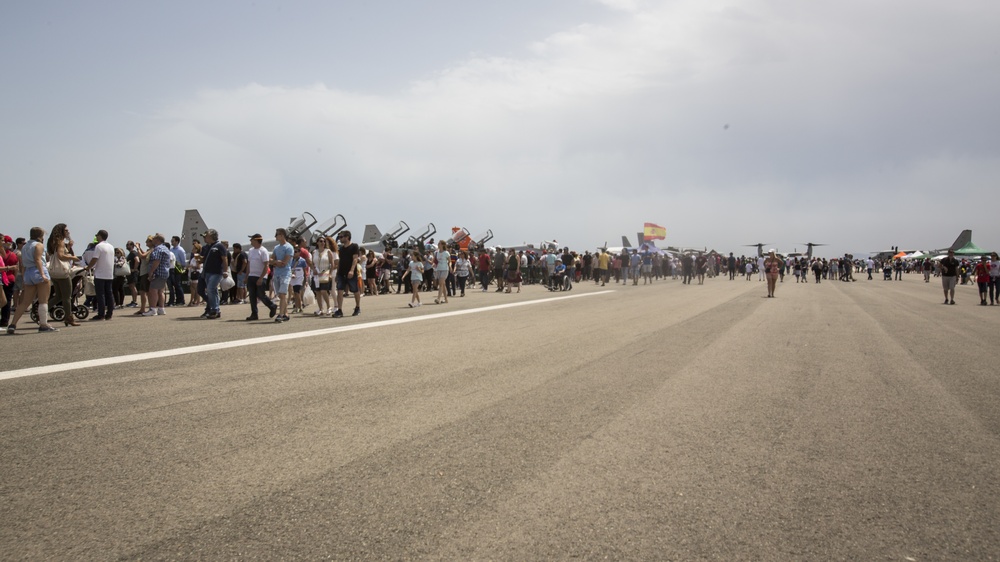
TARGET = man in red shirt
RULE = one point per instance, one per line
(484, 269)
(983, 279)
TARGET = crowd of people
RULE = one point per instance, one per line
(43, 276)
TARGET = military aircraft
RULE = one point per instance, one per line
(545, 245)
(809, 250)
(419, 242)
(374, 239)
(759, 246)
(298, 227)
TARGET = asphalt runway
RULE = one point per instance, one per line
(854, 421)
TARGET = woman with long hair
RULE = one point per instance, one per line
(442, 267)
(772, 266)
(59, 248)
(120, 278)
(322, 260)
(37, 283)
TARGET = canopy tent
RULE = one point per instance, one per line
(971, 249)
(917, 255)
(899, 255)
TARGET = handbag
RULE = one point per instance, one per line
(123, 270)
(58, 268)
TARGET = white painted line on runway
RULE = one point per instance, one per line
(91, 363)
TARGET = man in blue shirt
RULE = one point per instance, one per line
(281, 271)
(177, 272)
(215, 262)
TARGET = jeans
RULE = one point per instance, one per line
(212, 292)
(994, 289)
(176, 288)
(255, 293)
(461, 285)
(105, 297)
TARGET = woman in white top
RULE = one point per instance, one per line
(442, 266)
(462, 268)
(323, 264)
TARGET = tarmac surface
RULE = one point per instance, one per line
(843, 421)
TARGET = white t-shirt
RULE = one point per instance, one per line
(105, 266)
(257, 261)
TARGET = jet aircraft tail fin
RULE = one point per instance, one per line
(192, 229)
(372, 234)
(963, 239)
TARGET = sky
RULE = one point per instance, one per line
(858, 124)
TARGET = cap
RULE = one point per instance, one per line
(8, 239)
(256, 237)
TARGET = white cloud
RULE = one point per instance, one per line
(609, 124)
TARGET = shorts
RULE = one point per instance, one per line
(349, 283)
(647, 269)
(34, 277)
(132, 278)
(296, 289)
(281, 283)
(144, 283)
(157, 284)
(325, 286)
(241, 281)
(949, 282)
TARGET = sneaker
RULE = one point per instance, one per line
(98, 318)
(279, 319)
(338, 313)
(274, 310)
(285, 318)
(357, 311)
(952, 302)
(149, 312)
(213, 316)
(45, 329)
(409, 304)
(132, 305)
(10, 329)
(161, 312)
(252, 317)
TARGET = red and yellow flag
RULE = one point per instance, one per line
(652, 231)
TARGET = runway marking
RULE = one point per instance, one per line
(91, 363)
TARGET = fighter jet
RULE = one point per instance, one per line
(194, 226)
(375, 240)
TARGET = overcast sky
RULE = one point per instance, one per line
(855, 123)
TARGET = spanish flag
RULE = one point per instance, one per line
(652, 231)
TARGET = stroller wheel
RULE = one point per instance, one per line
(58, 314)
(81, 312)
(34, 315)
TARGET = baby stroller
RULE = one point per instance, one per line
(57, 311)
(887, 273)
